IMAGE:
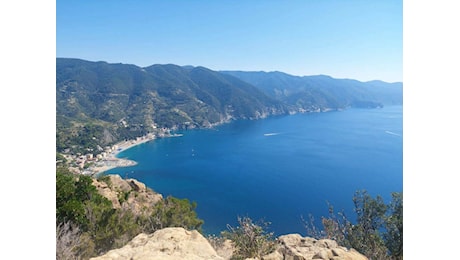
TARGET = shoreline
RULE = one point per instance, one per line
(111, 161)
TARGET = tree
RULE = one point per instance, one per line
(68, 206)
(377, 231)
(365, 235)
(394, 227)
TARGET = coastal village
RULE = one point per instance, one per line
(93, 164)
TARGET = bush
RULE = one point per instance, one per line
(378, 229)
(67, 241)
(250, 240)
(174, 212)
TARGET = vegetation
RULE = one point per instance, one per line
(87, 225)
(251, 240)
(99, 103)
(322, 92)
(174, 212)
(377, 232)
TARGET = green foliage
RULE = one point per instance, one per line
(99, 227)
(124, 100)
(174, 212)
(69, 200)
(98, 103)
(82, 137)
(313, 92)
(377, 232)
(251, 240)
(104, 178)
(123, 196)
(110, 228)
(60, 159)
(394, 226)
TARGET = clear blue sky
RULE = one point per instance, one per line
(355, 39)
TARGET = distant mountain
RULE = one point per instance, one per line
(98, 103)
(313, 93)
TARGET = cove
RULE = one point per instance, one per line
(277, 169)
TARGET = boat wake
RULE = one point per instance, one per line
(392, 133)
(270, 134)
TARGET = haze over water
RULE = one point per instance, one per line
(279, 168)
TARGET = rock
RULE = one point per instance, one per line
(273, 256)
(128, 194)
(178, 243)
(119, 184)
(106, 191)
(167, 244)
(226, 249)
(137, 186)
(296, 247)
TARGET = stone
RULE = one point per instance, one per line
(296, 247)
(167, 244)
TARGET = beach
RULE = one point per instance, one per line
(111, 161)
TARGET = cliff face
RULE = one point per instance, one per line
(127, 194)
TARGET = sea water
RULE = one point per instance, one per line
(277, 169)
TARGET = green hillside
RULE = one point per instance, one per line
(98, 103)
(312, 93)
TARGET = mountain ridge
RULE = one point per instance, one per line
(315, 92)
(100, 103)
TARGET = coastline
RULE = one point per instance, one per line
(111, 161)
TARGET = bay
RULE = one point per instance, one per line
(277, 169)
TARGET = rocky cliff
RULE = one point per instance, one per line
(127, 193)
(178, 243)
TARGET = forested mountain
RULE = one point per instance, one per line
(321, 92)
(98, 103)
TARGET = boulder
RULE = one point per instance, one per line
(296, 247)
(167, 244)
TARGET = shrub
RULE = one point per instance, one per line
(174, 212)
(98, 227)
(250, 240)
(67, 241)
(377, 232)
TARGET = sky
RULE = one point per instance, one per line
(354, 39)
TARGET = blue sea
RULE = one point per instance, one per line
(277, 169)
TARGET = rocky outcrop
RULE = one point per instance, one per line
(127, 193)
(167, 244)
(296, 247)
(178, 243)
